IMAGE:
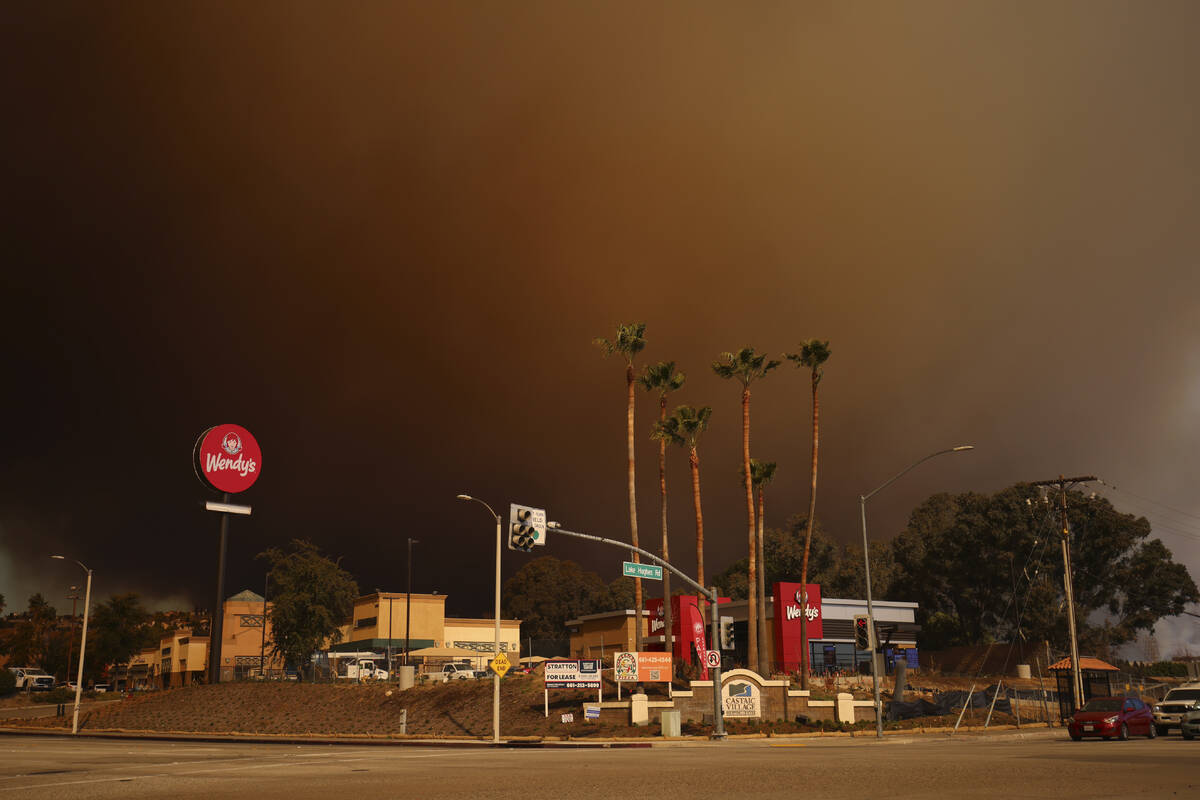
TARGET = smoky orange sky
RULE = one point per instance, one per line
(381, 236)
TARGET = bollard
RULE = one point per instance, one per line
(403, 721)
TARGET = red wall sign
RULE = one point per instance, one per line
(789, 607)
(227, 458)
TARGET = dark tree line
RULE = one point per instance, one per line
(988, 568)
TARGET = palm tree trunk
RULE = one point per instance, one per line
(694, 463)
(752, 577)
(812, 513)
(668, 619)
(764, 667)
(633, 528)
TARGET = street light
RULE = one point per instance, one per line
(862, 507)
(87, 601)
(495, 675)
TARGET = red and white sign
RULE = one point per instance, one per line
(712, 659)
(227, 458)
(789, 608)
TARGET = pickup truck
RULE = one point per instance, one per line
(461, 672)
(32, 679)
(1169, 712)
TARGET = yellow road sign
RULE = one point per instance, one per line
(500, 664)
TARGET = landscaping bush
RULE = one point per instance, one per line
(60, 695)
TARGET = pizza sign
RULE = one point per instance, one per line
(227, 458)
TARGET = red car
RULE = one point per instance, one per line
(1112, 716)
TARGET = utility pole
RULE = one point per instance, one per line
(1063, 484)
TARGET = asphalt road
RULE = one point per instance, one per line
(919, 767)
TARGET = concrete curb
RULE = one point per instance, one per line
(516, 742)
(895, 737)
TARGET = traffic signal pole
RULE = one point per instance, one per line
(711, 593)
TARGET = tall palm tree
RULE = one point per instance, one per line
(684, 428)
(762, 473)
(629, 341)
(663, 379)
(813, 353)
(747, 366)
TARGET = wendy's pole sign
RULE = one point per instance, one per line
(226, 458)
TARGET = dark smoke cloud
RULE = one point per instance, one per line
(382, 238)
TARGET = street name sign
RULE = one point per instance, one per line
(650, 571)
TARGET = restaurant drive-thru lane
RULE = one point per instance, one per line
(897, 767)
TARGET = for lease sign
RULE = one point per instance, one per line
(568, 674)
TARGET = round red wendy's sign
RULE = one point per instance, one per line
(227, 458)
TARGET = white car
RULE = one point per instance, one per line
(461, 672)
(1169, 711)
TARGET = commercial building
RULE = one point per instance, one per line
(381, 623)
(830, 630)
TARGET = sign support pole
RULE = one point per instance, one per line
(215, 627)
(718, 716)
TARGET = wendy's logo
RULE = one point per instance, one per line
(232, 443)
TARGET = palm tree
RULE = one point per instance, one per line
(762, 473)
(629, 341)
(663, 378)
(747, 366)
(684, 428)
(813, 353)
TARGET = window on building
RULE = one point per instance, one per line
(166, 651)
(365, 622)
(250, 620)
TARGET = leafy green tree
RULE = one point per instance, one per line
(663, 378)
(119, 629)
(813, 353)
(312, 597)
(629, 341)
(684, 428)
(30, 643)
(989, 568)
(837, 568)
(547, 591)
(746, 366)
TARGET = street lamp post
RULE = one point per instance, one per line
(862, 507)
(408, 598)
(495, 675)
(87, 602)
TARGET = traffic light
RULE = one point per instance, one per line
(526, 527)
(862, 632)
(725, 631)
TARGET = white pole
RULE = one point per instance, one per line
(496, 675)
(87, 604)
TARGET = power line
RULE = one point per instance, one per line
(1148, 500)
